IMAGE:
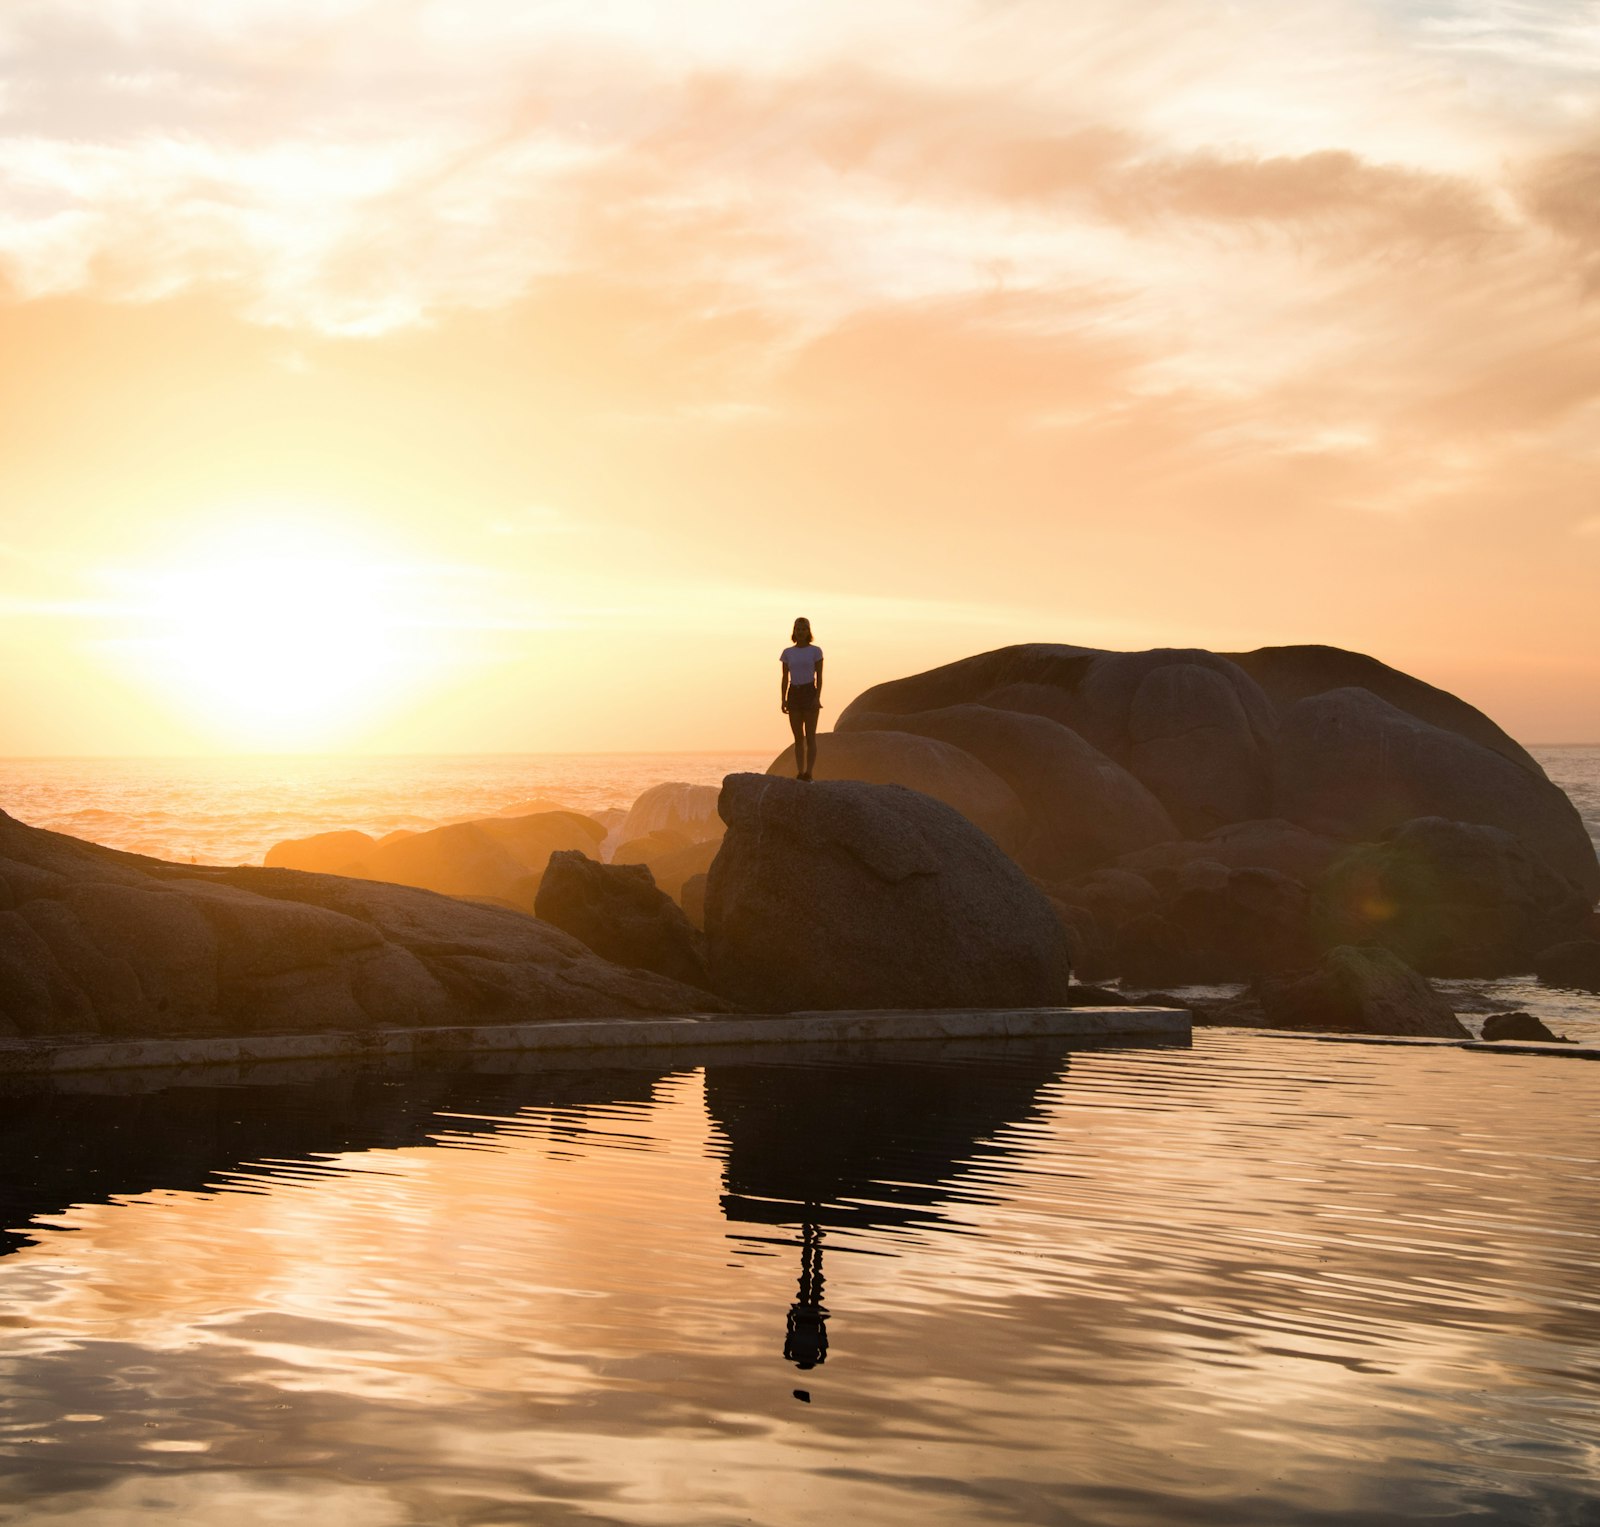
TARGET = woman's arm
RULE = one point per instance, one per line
(783, 685)
(818, 682)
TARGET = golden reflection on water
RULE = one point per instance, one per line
(1259, 1281)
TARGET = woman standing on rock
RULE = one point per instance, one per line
(801, 693)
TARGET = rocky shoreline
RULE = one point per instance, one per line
(1322, 832)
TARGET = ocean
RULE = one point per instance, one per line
(232, 810)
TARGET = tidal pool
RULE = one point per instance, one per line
(1251, 1281)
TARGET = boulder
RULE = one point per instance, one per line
(671, 867)
(692, 898)
(1192, 741)
(926, 765)
(1363, 990)
(1244, 923)
(1152, 950)
(619, 913)
(1574, 964)
(1354, 766)
(674, 807)
(1289, 674)
(1082, 808)
(94, 941)
(851, 895)
(324, 852)
(1523, 1026)
(1450, 898)
(492, 859)
(1269, 844)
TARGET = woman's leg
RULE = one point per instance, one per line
(811, 739)
(797, 725)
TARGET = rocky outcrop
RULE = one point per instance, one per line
(1574, 964)
(324, 853)
(851, 895)
(671, 864)
(1083, 808)
(674, 807)
(93, 941)
(492, 859)
(1306, 763)
(1354, 766)
(1450, 898)
(619, 913)
(924, 764)
(1359, 991)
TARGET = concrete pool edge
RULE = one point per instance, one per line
(55, 1057)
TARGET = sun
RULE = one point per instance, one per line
(282, 632)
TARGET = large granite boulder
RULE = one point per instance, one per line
(1359, 991)
(1282, 760)
(947, 773)
(619, 913)
(1450, 898)
(851, 895)
(1352, 765)
(93, 941)
(492, 859)
(1083, 808)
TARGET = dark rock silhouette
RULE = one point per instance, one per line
(93, 941)
(1359, 991)
(1352, 765)
(1574, 964)
(1450, 898)
(850, 895)
(692, 898)
(1524, 1026)
(935, 768)
(1287, 761)
(619, 913)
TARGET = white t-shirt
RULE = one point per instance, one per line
(802, 663)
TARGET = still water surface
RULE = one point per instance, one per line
(1255, 1281)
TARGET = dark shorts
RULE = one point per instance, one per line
(803, 699)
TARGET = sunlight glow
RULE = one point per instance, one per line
(281, 634)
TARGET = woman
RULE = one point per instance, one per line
(801, 693)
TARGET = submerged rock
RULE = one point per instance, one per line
(1359, 991)
(843, 894)
(94, 941)
(617, 910)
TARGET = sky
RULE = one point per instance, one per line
(476, 376)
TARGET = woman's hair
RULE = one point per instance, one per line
(801, 635)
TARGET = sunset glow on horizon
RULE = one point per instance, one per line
(485, 377)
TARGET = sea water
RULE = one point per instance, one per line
(1254, 1282)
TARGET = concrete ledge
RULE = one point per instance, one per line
(1502, 1046)
(54, 1057)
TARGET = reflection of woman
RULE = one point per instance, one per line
(801, 693)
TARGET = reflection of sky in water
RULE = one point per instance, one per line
(1254, 1282)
